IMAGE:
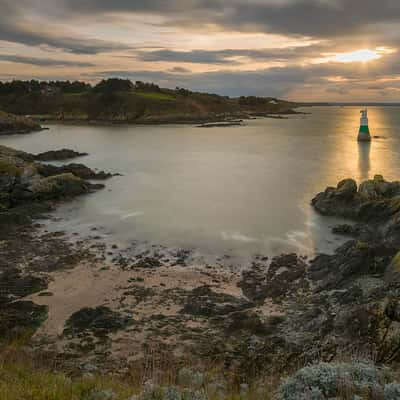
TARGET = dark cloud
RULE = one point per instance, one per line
(69, 44)
(315, 18)
(43, 61)
(277, 81)
(220, 57)
(195, 56)
(179, 70)
(338, 25)
(272, 82)
(14, 28)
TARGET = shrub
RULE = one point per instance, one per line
(392, 391)
(339, 380)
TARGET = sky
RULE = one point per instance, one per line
(301, 50)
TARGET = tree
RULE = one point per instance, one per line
(107, 86)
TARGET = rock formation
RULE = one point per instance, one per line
(12, 124)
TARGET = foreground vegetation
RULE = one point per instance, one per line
(118, 100)
(23, 377)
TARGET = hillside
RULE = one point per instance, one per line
(121, 101)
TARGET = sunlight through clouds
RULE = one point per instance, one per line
(279, 48)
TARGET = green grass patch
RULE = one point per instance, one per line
(156, 96)
(78, 94)
(9, 168)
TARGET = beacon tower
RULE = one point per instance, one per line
(363, 133)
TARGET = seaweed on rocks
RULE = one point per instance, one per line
(98, 321)
(25, 256)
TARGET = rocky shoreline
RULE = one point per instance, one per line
(94, 305)
(173, 119)
(13, 124)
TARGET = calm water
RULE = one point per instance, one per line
(241, 190)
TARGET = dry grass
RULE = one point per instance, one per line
(24, 377)
(27, 377)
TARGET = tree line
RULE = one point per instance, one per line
(112, 85)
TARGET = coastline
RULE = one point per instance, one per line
(170, 119)
(88, 309)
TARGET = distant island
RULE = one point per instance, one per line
(122, 101)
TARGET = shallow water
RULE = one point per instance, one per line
(236, 190)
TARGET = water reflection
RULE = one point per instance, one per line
(364, 163)
(243, 189)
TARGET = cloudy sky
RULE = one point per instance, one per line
(310, 50)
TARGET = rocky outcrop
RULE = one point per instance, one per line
(20, 317)
(333, 304)
(205, 302)
(59, 155)
(23, 181)
(361, 281)
(55, 187)
(98, 321)
(79, 170)
(276, 281)
(375, 198)
(13, 124)
(25, 192)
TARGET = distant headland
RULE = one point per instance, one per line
(122, 101)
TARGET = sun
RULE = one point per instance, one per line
(363, 55)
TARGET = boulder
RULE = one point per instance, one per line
(377, 188)
(53, 188)
(376, 199)
(338, 201)
(346, 189)
(350, 261)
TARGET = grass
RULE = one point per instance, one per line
(9, 168)
(21, 381)
(78, 94)
(23, 377)
(156, 96)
